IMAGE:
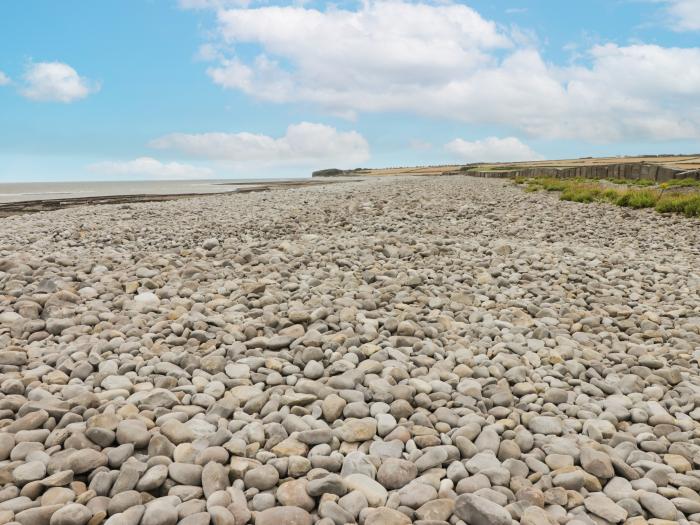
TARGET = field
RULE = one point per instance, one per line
(687, 162)
(680, 162)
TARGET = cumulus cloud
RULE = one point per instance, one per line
(339, 53)
(447, 61)
(492, 149)
(302, 144)
(4, 79)
(150, 168)
(55, 82)
(685, 14)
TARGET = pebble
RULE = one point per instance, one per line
(453, 352)
(481, 511)
(373, 491)
(658, 506)
(262, 478)
(602, 506)
(73, 514)
(283, 515)
(395, 473)
(159, 512)
(386, 516)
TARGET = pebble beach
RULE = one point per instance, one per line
(429, 350)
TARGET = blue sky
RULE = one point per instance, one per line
(162, 89)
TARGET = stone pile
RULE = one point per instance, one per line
(434, 351)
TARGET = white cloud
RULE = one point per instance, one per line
(302, 144)
(492, 149)
(685, 14)
(150, 168)
(4, 79)
(383, 43)
(55, 82)
(446, 61)
(209, 52)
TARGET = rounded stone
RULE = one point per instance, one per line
(262, 478)
(72, 514)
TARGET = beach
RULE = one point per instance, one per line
(392, 350)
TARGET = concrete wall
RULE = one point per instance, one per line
(604, 171)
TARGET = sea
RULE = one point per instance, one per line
(29, 191)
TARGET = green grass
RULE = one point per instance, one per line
(638, 199)
(553, 183)
(581, 193)
(636, 196)
(548, 183)
(681, 183)
(688, 204)
(632, 182)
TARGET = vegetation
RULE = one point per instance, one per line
(631, 194)
(632, 182)
(681, 183)
(687, 204)
(577, 192)
(638, 199)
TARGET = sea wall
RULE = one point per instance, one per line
(604, 171)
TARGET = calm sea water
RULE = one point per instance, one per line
(27, 191)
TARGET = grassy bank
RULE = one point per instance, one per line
(677, 196)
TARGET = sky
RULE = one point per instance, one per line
(184, 89)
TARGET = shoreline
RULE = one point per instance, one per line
(9, 209)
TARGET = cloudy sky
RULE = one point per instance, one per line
(168, 89)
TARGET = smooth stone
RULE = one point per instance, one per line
(31, 471)
(159, 513)
(37, 516)
(293, 493)
(658, 506)
(547, 425)
(198, 518)
(597, 463)
(223, 516)
(215, 477)
(134, 432)
(476, 510)
(375, 493)
(395, 473)
(284, 515)
(386, 516)
(185, 473)
(600, 505)
(356, 430)
(152, 478)
(73, 514)
(262, 478)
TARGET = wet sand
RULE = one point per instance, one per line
(8, 209)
